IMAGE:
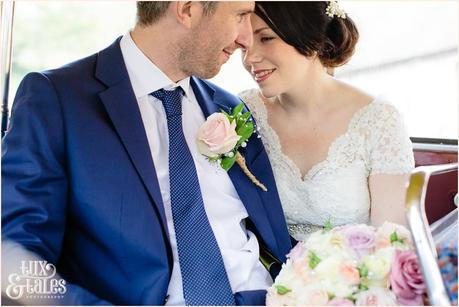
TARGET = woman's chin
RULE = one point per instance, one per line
(268, 93)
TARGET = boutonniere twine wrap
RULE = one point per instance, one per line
(220, 137)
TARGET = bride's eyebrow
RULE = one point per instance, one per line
(260, 29)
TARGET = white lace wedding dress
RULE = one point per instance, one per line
(336, 189)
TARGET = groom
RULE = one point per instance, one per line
(101, 175)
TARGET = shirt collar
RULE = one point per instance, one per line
(145, 76)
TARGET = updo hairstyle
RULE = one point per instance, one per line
(306, 26)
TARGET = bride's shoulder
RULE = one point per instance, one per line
(353, 96)
(369, 105)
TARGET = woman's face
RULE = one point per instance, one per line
(275, 65)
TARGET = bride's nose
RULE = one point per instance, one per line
(251, 56)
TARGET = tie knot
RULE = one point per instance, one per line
(172, 100)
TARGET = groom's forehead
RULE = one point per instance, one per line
(235, 6)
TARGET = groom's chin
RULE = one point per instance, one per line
(208, 72)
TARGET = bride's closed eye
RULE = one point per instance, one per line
(266, 39)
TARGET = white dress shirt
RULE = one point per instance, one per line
(225, 211)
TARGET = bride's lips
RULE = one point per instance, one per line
(262, 74)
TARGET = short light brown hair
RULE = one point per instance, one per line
(148, 12)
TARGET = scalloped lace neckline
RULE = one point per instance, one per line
(276, 145)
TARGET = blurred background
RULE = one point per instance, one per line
(407, 51)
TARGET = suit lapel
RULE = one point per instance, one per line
(122, 108)
(256, 205)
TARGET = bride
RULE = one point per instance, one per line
(338, 154)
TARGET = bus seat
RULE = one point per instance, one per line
(439, 198)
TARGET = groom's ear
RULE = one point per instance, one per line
(187, 13)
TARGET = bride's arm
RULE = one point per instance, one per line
(391, 161)
(387, 193)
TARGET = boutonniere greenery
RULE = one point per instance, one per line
(221, 136)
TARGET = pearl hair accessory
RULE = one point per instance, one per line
(333, 9)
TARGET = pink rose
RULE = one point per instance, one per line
(217, 136)
(375, 296)
(349, 273)
(314, 297)
(406, 278)
(337, 301)
(297, 251)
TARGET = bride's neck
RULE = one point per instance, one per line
(308, 96)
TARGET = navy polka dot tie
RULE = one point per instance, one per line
(205, 281)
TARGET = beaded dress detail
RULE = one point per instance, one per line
(336, 189)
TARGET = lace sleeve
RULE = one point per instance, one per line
(249, 97)
(389, 147)
(252, 101)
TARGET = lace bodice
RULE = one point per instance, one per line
(336, 189)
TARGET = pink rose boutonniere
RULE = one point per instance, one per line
(220, 137)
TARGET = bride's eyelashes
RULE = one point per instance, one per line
(266, 39)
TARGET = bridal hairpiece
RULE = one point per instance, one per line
(333, 9)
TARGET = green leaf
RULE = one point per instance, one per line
(213, 159)
(314, 260)
(393, 237)
(282, 289)
(351, 298)
(328, 225)
(245, 131)
(331, 296)
(238, 109)
(363, 287)
(227, 162)
(363, 270)
(243, 118)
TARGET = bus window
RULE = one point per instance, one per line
(399, 55)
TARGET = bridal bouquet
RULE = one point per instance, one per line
(351, 265)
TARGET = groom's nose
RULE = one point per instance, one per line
(245, 38)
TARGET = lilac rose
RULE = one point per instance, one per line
(406, 278)
(361, 238)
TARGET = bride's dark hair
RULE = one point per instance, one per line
(306, 26)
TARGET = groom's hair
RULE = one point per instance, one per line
(148, 12)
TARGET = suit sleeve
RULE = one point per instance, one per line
(34, 179)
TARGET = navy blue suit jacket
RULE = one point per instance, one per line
(79, 186)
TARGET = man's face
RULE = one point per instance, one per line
(215, 38)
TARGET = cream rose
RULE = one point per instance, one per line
(327, 244)
(385, 231)
(337, 276)
(275, 299)
(379, 265)
(217, 136)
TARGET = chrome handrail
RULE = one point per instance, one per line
(420, 230)
(6, 39)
